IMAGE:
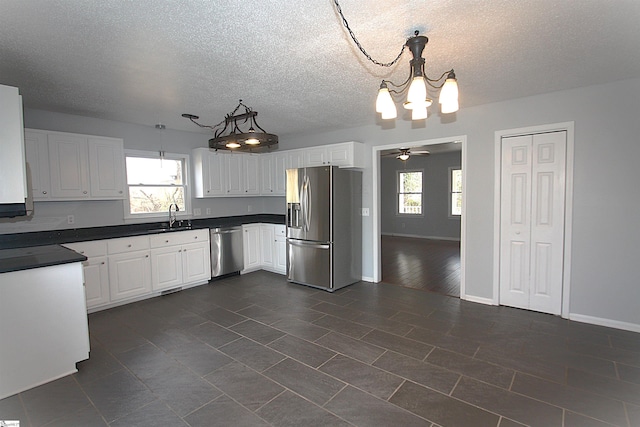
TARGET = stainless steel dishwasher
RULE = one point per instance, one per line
(226, 250)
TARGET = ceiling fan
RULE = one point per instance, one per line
(404, 153)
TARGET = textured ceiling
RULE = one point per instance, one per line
(148, 61)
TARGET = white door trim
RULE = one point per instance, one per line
(377, 264)
(568, 212)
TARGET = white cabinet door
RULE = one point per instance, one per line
(166, 267)
(234, 174)
(315, 156)
(295, 159)
(214, 176)
(251, 174)
(267, 240)
(196, 263)
(279, 161)
(267, 173)
(346, 154)
(68, 163)
(95, 270)
(129, 274)
(280, 249)
(96, 281)
(251, 243)
(37, 156)
(106, 166)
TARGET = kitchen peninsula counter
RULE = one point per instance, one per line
(17, 259)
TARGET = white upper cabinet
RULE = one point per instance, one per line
(37, 155)
(273, 167)
(65, 166)
(251, 174)
(227, 174)
(68, 163)
(208, 167)
(106, 168)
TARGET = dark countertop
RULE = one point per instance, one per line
(35, 257)
(57, 237)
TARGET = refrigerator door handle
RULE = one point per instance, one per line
(313, 245)
(305, 200)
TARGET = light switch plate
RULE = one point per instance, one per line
(365, 211)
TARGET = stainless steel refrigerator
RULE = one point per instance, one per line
(324, 227)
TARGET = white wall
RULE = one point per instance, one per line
(606, 235)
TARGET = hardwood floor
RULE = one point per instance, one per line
(430, 265)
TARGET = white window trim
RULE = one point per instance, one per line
(185, 211)
(451, 169)
(408, 215)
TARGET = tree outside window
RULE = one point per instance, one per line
(410, 192)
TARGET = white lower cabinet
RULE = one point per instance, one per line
(251, 247)
(280, 250)
(264, 248)
(126, 269)
(95, 270)
(179, 258)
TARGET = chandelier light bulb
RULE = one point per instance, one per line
(449, 95)
(419, 113)
(417, 91)
(384, 100)
(232, 144)
(390, 112)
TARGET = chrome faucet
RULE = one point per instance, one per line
(172, 218)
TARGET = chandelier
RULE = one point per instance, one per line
(233, 137)
(415, 86)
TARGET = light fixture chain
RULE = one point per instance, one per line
(355, 40)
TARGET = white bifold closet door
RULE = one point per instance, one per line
(532, 222)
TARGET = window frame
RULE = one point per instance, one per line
(184, 212)
(398, 193)
(451, 192)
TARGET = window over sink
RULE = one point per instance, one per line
(154, 183)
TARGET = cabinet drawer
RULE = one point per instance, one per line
(173, 238)
(89, 249)
(128, 244)
(279, 230)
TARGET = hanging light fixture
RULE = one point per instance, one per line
(233, 137)
(415, 86)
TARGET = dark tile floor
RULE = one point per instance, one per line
(253, 350)
(427, 264)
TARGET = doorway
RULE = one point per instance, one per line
(407, 259)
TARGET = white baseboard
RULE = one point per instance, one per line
(367, 279)
(633, 327)
(480, 300)
(416, 236)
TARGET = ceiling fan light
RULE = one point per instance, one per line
(417, 91)
(419, 113)
(404, 157)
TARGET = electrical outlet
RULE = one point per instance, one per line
(197, 211)
(71, 219)
(365, 211)
(208, 211)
